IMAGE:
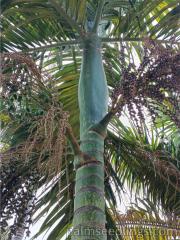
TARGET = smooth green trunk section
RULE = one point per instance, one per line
(93, 92)
(89, 204)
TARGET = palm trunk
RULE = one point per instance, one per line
(89, 204)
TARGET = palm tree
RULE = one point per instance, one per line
(70, 39)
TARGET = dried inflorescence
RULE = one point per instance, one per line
(40, 155)
(153, 86)
(47, 140)
(42, 141)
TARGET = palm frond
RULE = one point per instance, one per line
(137, 161)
